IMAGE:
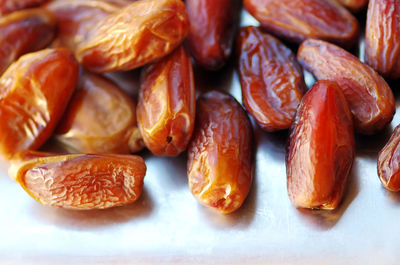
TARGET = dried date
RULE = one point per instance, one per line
(166, 105)
(100, 118)
(139, 33)
(213, 25)
(302, 19)
(8, 6)
(220, 153)
(354, 5)
(79, 181)
(35, 91)
(369, 96)
(321, 148)
(382, 37)
(22, 32)
(271, 79)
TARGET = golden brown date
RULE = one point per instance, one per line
(35, 91)
(8, 6)
(213, 26)
(167, 104)
(389, 161)
(100, 118)
(139, 33)
(76, 18)
(302, 19)
(22, 32)
(369, 96)
(81, 181)
(321, 148)
(220, 153)
(271, 79)
(354, 5)
(382, 37)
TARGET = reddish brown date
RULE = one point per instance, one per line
(271, 79)
(22, 32)
(213, 26)
(100, 118)
(140, 33)
(382, 37)
(389, 162)
(76, 18)
(302, 19)
(8, 6)
(321, 148)
(220, 153)
(79, 181)
(369, 96)
(35, 91)
(354, 5)
(166, 105)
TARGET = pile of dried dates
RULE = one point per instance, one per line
(54, 57)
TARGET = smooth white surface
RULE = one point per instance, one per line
(167, 225)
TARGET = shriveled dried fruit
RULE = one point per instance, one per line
(8, 6)
(302, 19)
(213, 25)
(82, 182)
(369, 96)
(321, 148)
(166, 107)
(220, 153)
(34, 92)
(100, 118)
(382, 37)
(354, 5)
(140, 33)
(271, 79)
(389, 162)
(76, 18)
(22, 32)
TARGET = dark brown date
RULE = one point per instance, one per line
(271, 79)
(382, 37)
(8, 6)
(213, 26)
(167, 104)
(389, 162)
(369, 96)
(100, 118)
(24, 31)
(220, 153)
(301, 19)
(321, 148)
(79, 181)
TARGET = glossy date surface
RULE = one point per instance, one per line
(321, 148)
(220, 153)
(389, 162)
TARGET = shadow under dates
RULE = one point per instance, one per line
(94, 219)
(325, 220)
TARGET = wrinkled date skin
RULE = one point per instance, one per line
(354, 5)
(166, 106)
(81, 181)
(100, 118)
(389, 162)
(220, 153)
(382, 37)
(213, 25)
(271, 79)
(8, 6)
(298, 20)
(22, 32)
(140, 33)
(34, 92)
(369, 96)
(321, 148)
(76, 18)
